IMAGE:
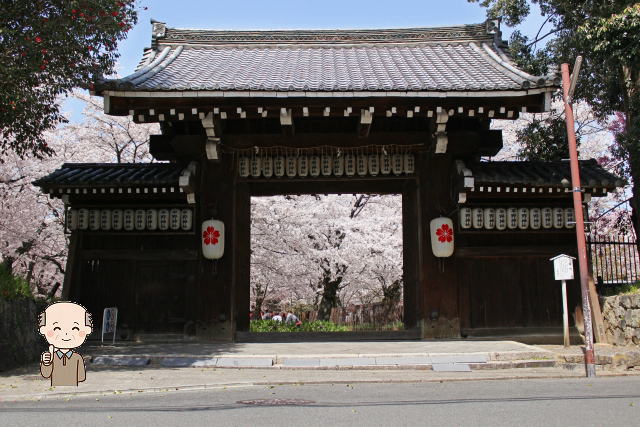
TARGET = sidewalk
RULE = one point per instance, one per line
(327, 362)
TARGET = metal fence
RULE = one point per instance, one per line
(614, 259)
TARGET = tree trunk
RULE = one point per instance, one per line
(330, 297)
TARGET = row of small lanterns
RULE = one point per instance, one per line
(513, 218)
(130, 219)
(348, 164)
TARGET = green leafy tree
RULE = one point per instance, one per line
(607, 35)
(49, 47)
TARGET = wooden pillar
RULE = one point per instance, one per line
(411, 254)
(75, 261)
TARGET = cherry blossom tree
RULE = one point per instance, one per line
(328, 250)
(32, 239)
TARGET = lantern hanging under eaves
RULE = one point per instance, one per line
(140, 219)
(279, 166)
(186, 219)
(212, 239)
(314, 166)
(94, 219)
(397, 164)
(127, 219)
(152, 219)
(512, 218)
(83, 219)
(569, 218)
(267, 166)
(72, 219)
(303, 165)
(163, 219)
(362, 164)
(558, 218)
(326, 164)
(535, 218)
(243, 166)
(523, 218)
(374, 164)
(338, 165)
(385, 164)
(466, 218)
(256, 166)
(116, 219)
(349, 164)
(489, 218)
(501, 219)
(441, 237)
(105, 219)
(547, 217)
(292, 166)
(478, 218)
(174, 219)
(409, 163)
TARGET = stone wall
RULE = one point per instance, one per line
(622, 319)
(20, 342)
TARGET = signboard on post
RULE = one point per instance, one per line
(563, 270)
(110, 322)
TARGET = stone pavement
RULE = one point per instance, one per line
(243, 365)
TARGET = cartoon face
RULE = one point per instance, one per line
(65, 325)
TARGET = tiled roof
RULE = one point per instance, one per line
(96, 175)
(458, 59)
(542, 174)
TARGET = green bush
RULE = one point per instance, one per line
(12, 286)
(316, 326)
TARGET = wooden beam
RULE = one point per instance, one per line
(365, 123)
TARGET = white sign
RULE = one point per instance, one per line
(109, 322)
(563, 267)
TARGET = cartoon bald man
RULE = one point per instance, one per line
(65, 326)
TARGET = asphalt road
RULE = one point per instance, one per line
(549, 402)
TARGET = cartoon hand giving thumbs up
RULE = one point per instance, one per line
(47, 356)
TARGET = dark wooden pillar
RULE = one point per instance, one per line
(411, 253)
(440, 316)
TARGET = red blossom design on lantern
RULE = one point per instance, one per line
(445, 233)
(210, 236)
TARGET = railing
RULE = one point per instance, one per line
(614, 259)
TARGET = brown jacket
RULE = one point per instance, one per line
(65, 370)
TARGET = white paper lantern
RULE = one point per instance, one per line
(174, 219)
(127, 219)
(152, 219)
(212, 239)
(547, 218)
(501, 219)
(163, 219)
(466, 218)
(374, 164)
(441, 237)
(83, 219)
(362, 164)
(279, 166)
(303, 165)
(385, 164)
(512, 218)
(105, 219)
(72, 220)
(478, 218)
(489, 218)
(314, 166)
(338, 165)
(409, 163)
(569, 218)
(397, 164)
(267, 166)
(140, 219)
(558, 218)
(94, 219)
(327, 164)
(523, 218)
(535, 218)
(116, 219)
(186, 219)
(256, 166)
(292, 166)
(349, 164)
(243, 166)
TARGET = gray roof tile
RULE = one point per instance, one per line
(465, 58)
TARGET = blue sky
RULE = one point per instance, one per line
(292, 14)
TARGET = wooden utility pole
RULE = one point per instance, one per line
(568, 85)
